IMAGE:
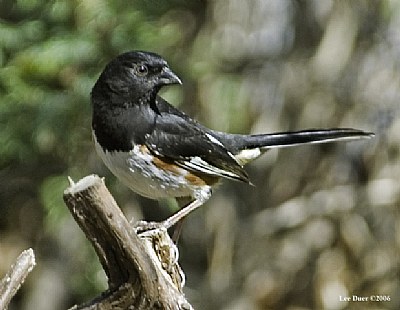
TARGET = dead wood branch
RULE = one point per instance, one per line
(14, 278)
(142, 269)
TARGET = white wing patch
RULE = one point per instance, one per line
(216, 141)
(198, 164)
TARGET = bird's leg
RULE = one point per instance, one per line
(176, 218)
(182, 203)
(182, 213)
(176, 233)
(200, 198)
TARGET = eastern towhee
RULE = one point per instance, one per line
(158, 151)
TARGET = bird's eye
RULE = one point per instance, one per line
(142, 70)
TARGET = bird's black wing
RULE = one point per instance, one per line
(190, 145)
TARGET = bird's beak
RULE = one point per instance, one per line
(168, 77)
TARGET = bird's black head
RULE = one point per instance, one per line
(133, 76)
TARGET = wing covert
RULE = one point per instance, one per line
(191, 146)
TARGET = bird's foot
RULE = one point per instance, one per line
(144, 226)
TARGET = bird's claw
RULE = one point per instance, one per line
(144, 226)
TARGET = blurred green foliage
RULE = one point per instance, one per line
(322, 221)
(50, 54)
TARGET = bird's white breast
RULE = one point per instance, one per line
(137, 171)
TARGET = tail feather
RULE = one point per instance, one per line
(248, 147)
(312, 136)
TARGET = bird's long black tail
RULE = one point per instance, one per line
(285, 139)
(238, 143)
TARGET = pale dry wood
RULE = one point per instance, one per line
(16, 276)
(142, 269)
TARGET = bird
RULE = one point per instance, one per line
(158, 151)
